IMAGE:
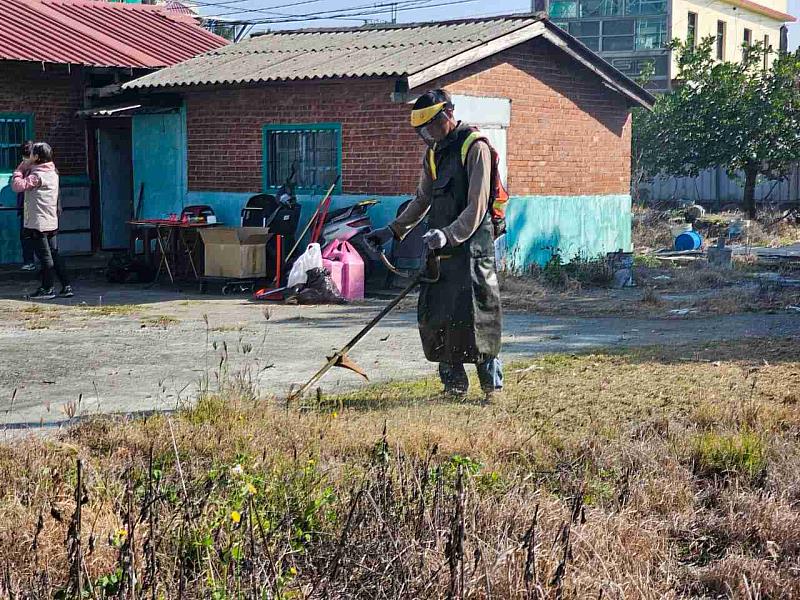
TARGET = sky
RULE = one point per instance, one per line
(409, 10)
(794, 28)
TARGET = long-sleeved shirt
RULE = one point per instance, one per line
(479, 170)
(23, 168)
(40, 186)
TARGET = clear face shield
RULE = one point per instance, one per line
(426, 132)
(426, 136)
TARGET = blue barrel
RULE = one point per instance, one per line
(688, 240)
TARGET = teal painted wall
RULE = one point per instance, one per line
(575, 225)
(228, 205)
(10, 219)
(585, 225)
(10, 248)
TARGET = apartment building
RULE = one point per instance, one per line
(631, 33)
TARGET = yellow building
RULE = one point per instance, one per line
(631, 33)
(733, 23)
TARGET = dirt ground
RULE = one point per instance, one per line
(130, 349)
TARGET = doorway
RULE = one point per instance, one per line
(115, 179)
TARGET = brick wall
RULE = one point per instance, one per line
(52, 96)
(569, 134)
(380, 153)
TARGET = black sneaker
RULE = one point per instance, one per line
(66, 292)
(43, 294)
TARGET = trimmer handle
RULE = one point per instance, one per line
(429, 273)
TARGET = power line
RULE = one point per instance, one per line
(338, 11)
(364, 11)
(266, 9)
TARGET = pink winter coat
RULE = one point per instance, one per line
(40, 186)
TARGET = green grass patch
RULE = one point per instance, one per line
(726, 454)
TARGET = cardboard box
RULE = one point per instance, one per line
(237, 252)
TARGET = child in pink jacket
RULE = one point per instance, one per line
(38, 180)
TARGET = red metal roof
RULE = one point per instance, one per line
(178, 7)
(97, 33)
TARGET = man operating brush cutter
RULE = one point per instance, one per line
(459, 314)
(459, 301)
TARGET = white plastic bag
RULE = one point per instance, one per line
(310, 259)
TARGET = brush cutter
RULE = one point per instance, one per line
(428, 274)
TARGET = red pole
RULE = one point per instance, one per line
(278, 259)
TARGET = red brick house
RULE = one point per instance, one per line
(339, 101)
(59, 57)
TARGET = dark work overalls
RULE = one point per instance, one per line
(459, 317)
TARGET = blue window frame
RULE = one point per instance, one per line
(315, 149)
(15, 128)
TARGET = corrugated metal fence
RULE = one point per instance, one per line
(714, 189)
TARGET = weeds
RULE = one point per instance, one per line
(161, 321)
(227, 328)
(734, 454)
(111, 310)
(38, 324)
(651, 230)
(646, 260)
(651, 297)
(572, 275)
(37, 317)
(660, 472)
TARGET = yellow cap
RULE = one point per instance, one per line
(423, 115)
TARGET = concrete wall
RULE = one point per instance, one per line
(582, 226)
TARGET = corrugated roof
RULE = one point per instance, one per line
(173, 6)
(95, 33)
(348, 52)
(419, 53)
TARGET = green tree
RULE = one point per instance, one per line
(739, 116)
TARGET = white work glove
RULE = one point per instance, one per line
(435, 239)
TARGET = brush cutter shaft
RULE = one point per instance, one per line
(430, 274)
